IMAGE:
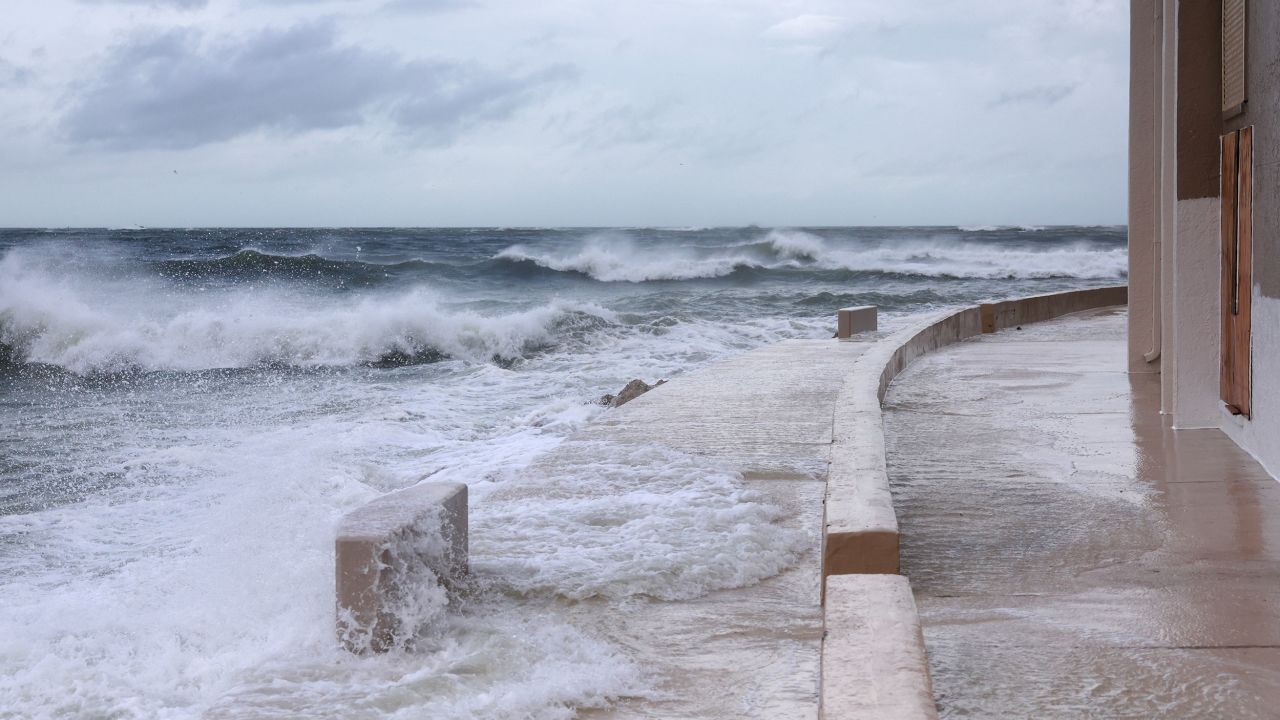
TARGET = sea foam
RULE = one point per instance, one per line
(615, 257)
(614, 520)
(166, 541)
(91, 324)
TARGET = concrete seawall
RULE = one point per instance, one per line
(874, 663)
(873, 660)
(1038, 308)
(861, 533)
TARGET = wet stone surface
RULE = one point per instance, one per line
(1071, 556)
(721, 608)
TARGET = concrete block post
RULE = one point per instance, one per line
(852, 320)
(417, 535)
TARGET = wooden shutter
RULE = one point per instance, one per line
(1237, 270)
(1233, 56)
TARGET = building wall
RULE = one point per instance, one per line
(1195, 276)
(1176, 121)
(1196, 307)
(1261, 434)
(1167, 202)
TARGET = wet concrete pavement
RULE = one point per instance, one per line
(1071, 555)
(752, 650)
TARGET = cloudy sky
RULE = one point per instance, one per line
(562, 112)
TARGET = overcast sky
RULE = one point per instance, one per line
(562, 112)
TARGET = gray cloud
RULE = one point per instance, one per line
(428, 6)
(1041, 95)
(614, 125)
(181, 4)
(393, 5)
(14, 75)
(685, 112)
(178, 89)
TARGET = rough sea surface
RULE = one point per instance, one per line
(186, 414)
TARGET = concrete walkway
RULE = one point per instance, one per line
(1071, 556)
(753, 651)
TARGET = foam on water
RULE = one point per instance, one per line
(950, 258)
(169, 493)
(611, 258)
(625, 520)
(204, 582)
(149, 602)
(499, 660)
(88, 325)
(1000, 228)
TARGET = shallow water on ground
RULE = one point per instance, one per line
(1071, 555)
(185, 415)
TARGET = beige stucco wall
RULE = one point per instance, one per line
(1195, 315)
(1260, 436)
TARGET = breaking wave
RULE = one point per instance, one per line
(87, 325)
(617, 258)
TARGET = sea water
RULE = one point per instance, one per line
(185, 415)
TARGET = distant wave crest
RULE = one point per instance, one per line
(617, 258)
(1000, 228)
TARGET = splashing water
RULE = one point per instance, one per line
(186, 415)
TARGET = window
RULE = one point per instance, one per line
(1233, 57)
(1237, 269)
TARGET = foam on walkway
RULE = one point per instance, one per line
(764, 420)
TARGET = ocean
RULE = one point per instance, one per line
(186, 414)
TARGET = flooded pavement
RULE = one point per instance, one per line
(1071, 556)
(705, 573)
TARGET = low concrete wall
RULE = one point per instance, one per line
(874, 665)
(860, 533)
(1012, 313)
(861, 530)
(387, 549)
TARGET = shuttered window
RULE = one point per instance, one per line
(1237, 270)
(1233, 56)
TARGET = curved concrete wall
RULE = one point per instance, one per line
(861, 530)
(1011, 313)
(874, 663)
(860, 533)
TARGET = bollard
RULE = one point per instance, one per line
(384, 547)
(853, 320)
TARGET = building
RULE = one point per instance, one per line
(1204, 214)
